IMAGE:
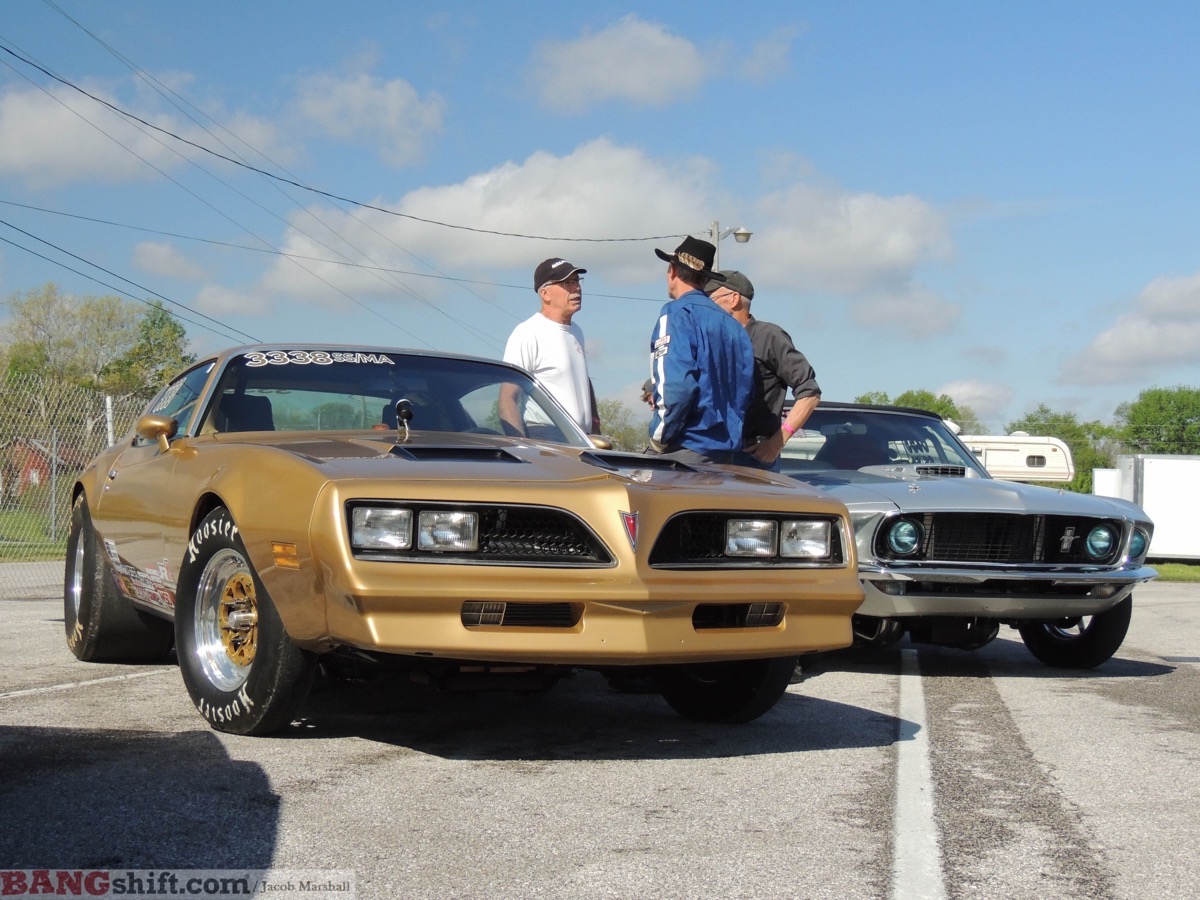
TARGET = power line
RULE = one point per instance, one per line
(111, 287)
(323, 193)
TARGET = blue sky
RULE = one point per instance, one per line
(995, 201)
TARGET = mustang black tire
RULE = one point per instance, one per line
(727, 691)
(1079, 643)
(240, 667)
(102, 625)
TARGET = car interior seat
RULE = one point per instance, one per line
(243, 412)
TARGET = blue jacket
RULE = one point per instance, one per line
(703, 371)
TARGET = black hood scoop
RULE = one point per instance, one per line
(455, 454)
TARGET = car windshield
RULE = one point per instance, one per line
(339, 389)
(849, 439)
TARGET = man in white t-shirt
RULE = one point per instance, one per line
(550, 345)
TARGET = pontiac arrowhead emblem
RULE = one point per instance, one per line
(631, 527)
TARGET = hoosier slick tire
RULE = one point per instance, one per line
(240, 667)
(102, 625)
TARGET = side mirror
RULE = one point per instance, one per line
(153, 427)
(601, 441)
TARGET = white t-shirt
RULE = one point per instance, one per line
(554, 354)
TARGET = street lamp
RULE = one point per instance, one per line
(741, 235)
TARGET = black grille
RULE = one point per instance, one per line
(518, 615)
(1002, 538)
(507, 535)
(698, 539)
(945, 471)
(737, 615)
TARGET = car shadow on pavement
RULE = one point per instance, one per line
(580, 718)
(86, 799)
(1003, 657)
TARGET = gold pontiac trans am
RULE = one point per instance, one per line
(283, 509)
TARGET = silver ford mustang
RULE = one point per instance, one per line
(948, 554)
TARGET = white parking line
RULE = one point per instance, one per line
(916, 860)
(52, 688)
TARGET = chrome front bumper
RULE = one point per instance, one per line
(1000, 593)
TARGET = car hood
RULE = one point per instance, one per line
(439, 456)
(864, 490)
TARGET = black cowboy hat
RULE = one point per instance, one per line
(693, 254)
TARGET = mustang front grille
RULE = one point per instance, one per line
(999, 538)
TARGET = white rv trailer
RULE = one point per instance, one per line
(1022, 457)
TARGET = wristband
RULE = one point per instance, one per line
(788, 428)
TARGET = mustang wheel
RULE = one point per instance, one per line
(728, 691)
(102, 625)
(241, 669)
(1080, 643)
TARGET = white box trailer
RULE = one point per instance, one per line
(1022, 457)
(1167, 487)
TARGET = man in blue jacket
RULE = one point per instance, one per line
(702, 365)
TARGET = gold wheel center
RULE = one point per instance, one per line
(239, 619)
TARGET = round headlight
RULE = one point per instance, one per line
(1138, 543)
(1100, 541)
(904, 537)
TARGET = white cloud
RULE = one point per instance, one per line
(870, 254)
(161, 258)
(1160, 332)
(387, 114)
(845, 242)
(42, 133)
(221, 302)
(987, 400)
(633, 60)
(912, 311)
(769, 57)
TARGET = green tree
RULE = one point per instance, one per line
(70, 339)
(1090, 442)
(1161, 420)
(157, 355)
(626, 428)
(941, 404)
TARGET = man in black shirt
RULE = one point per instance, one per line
(779, 365)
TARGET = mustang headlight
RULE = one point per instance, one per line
(806, 539)
(904, 537)
(441, 530)
(380, 528)
(1138, 543)
(751, 537)
(1100, 541)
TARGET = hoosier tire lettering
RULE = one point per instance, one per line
(241, 669)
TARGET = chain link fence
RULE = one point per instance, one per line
(49, 431)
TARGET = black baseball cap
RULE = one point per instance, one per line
(552, 271)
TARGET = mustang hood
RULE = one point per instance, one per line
(920, 494)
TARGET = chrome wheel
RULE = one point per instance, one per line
(226, 620)
(75, 588)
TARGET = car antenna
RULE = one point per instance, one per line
(404, 413)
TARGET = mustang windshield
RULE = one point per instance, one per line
(308, 390)
(854, 438)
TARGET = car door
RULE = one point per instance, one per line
(135, 511)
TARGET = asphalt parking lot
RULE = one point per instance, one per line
(1036, 783)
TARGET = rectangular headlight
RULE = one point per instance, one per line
(751, 537)
(441, 530)
(380, 528)
(806, 539)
